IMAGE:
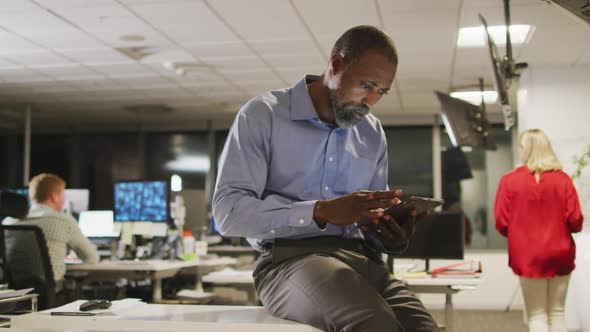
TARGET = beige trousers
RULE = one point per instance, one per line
(544, 300)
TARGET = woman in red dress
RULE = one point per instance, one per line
(537, 209)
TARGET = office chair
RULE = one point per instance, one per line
(26, 263)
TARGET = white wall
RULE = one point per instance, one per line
(554, 98)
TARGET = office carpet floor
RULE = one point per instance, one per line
(484, 320)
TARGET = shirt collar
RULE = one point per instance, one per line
(38, 210)
(301, 105)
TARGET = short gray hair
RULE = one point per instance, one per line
(355, 41)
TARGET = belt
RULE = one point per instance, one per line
(283, 249)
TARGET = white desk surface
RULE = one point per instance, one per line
(150, 265)
(436, 281)
(230, 276)
(163, 317)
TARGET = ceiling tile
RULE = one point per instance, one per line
(351, 13)
(268, 20)
(45, 22)
(122, 69)
(56, 4)
(246, 75)
(15, 5)
(185, 21)
(556, 46)
(286, 47)
(390, 6)
(34, 59)
(5, 64)
(169, 55)
(69, 71)
(14, 44)
(97, 56)
(234, 62)
(282, 61)
(71, 40)
(209, 50)
(110, 23)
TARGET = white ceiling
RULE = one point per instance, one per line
(61, 56)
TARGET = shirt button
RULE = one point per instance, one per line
(326, 188)
(301, 221)
(331, 158)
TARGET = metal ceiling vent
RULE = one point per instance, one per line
(137, 53)
(149, 109)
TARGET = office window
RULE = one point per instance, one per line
(184, 154)
(475, 196)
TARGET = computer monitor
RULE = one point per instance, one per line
(438, 236)
(20, 191)
(97, 224)
(141, 201)
(76, 200)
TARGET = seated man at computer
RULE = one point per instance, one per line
(46, 192)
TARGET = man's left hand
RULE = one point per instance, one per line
(392, 233)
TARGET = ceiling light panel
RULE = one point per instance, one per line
(474, 97)
(474, 36)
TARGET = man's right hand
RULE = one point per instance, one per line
(351, 208)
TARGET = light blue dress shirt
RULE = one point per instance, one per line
(279, 159)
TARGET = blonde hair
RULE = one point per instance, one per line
(41, 186)
(536, 152)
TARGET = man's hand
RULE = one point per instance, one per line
(392, 232)
(347, 210)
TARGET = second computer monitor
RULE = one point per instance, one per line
(141, 201)
(97, 224)
(76, 200)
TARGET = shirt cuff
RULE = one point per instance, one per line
(302, 216)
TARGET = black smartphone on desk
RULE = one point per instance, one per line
(420, 204)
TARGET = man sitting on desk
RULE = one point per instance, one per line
(46, 192)
(292, 179)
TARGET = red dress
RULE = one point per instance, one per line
(538, 219)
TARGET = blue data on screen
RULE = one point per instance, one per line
(141, 201)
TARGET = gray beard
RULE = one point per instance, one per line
(344, 114)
